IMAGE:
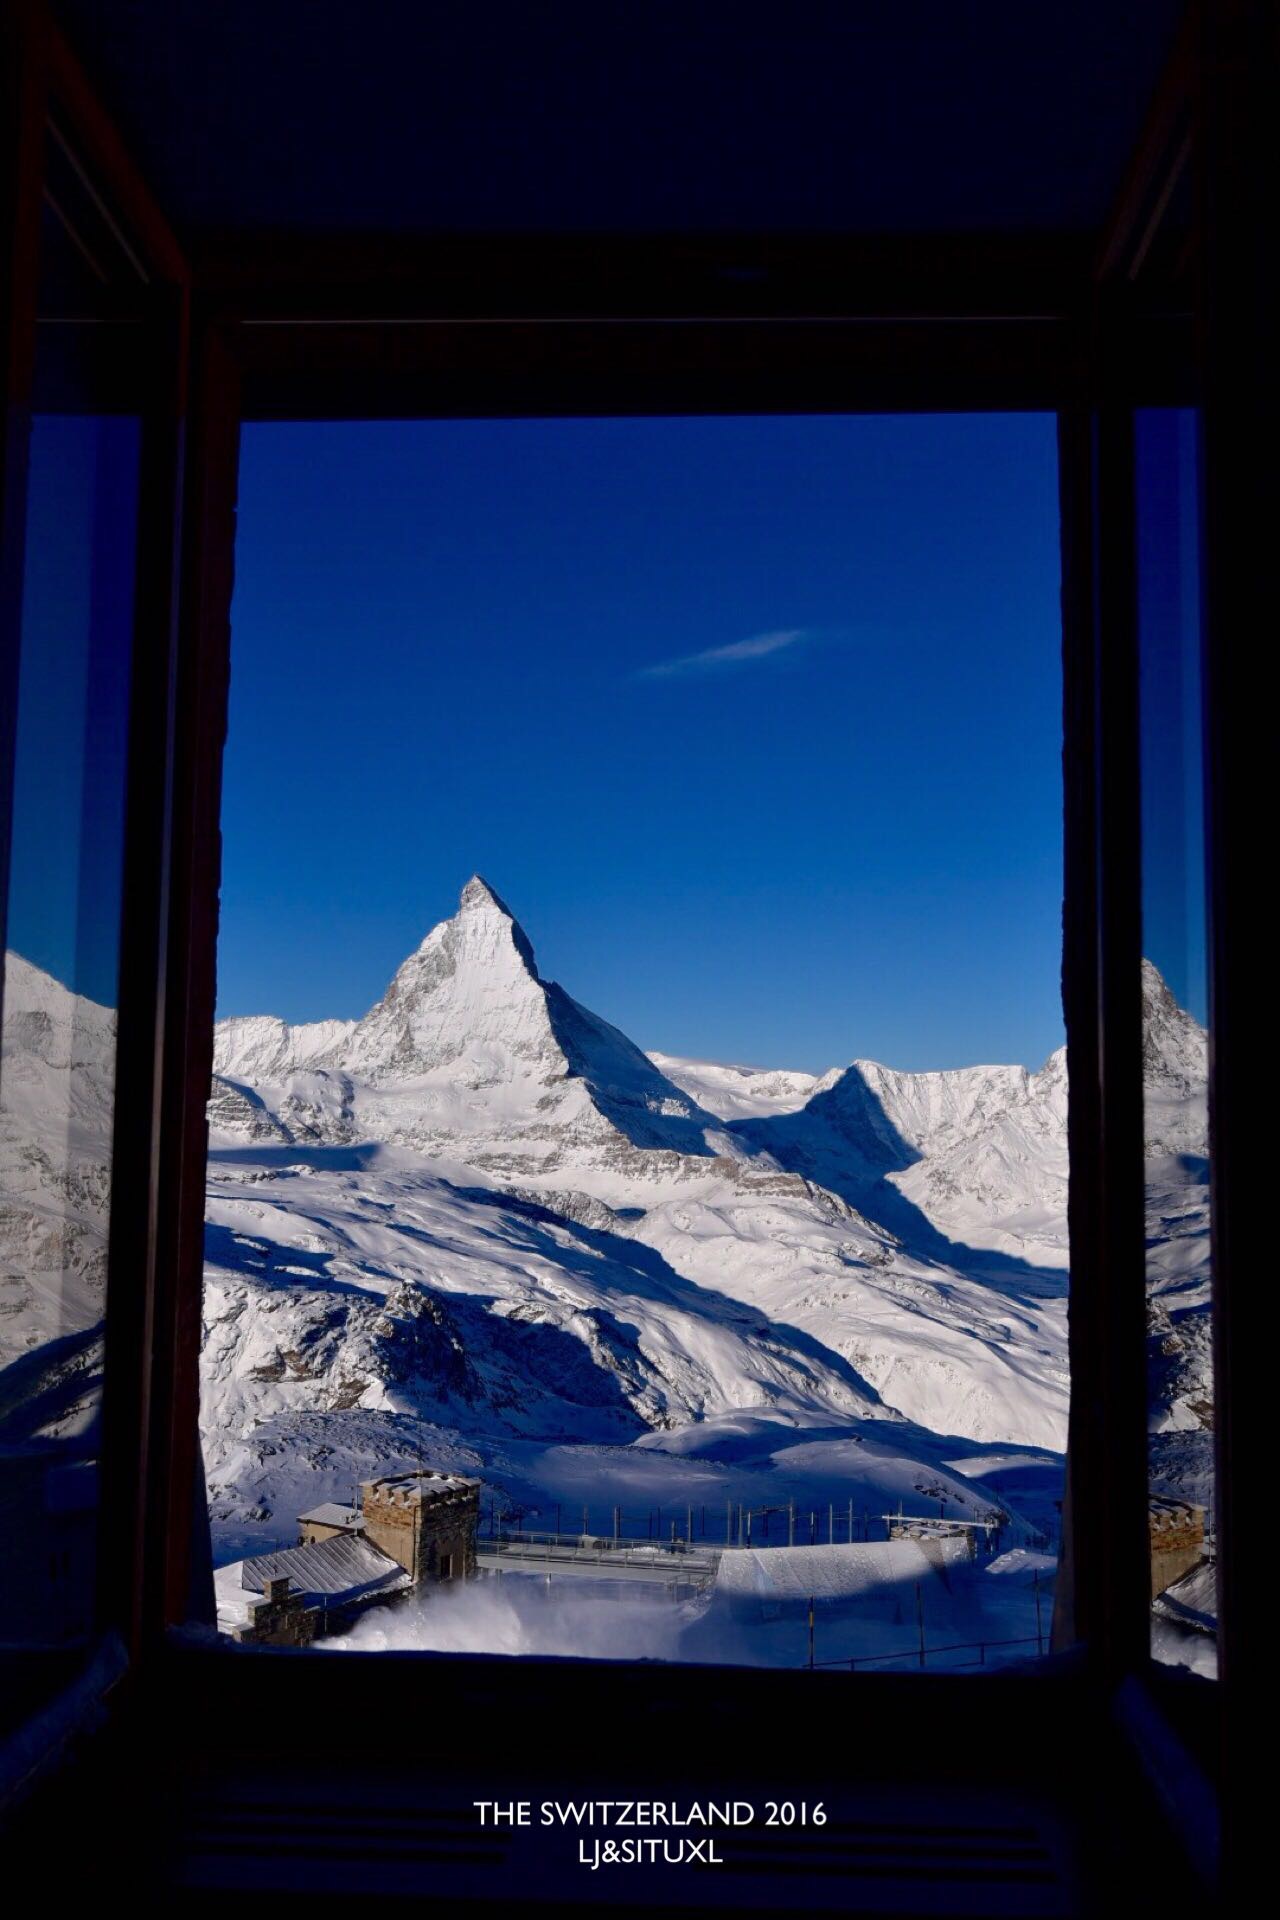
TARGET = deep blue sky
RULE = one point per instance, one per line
(73, 699)
(1173, 899)
(458, 646)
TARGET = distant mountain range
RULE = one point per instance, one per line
(480, 1223)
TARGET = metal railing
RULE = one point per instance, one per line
(921, 1655)
(787, 1523)
(665, 1559)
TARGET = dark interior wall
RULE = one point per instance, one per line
(825, 116)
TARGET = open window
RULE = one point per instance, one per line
(694, 1184)
(138, 379)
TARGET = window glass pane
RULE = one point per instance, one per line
(57, 1063)
(748, 732)
(1175, 1013)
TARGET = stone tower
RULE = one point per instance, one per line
(425, 1520)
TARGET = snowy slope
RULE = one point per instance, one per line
(742, 1093)
(1180, 1394)
(55, 1159)
(976, 1156)
(479, 1223)
(472, 1058)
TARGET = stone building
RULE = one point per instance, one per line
(282, 1617)
(425, 1520)
(410, 1529)
(327, 1522)
(1176, 1530)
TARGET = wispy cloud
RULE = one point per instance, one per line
(737, 653)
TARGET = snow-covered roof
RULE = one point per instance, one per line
(332, 1573)
(834, 1572)
(427, 1479)
(1193, 1600)
(330, 1514)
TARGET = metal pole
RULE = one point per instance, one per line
(557, 1519)
(791, 1523)
(728, 1523)
(831, 1524)
(616, 1517)
(851, 1523)
(688, 1528)
(811, 1633)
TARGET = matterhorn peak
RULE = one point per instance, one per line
(478, 895)
(485, 930)
(1174, 1044)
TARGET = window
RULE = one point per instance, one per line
(741, 1279)
(1175, 1042)
(58, 1065)
(896, 316)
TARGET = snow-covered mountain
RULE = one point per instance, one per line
(56, 1089)
(481, 1223)
(976, 1157)
(618, 1245)
(742, 1093)
(1179, 1303)
(469, 1052)
(57, 1072)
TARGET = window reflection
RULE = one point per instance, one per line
(57, 1056)
(1175, 1046)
